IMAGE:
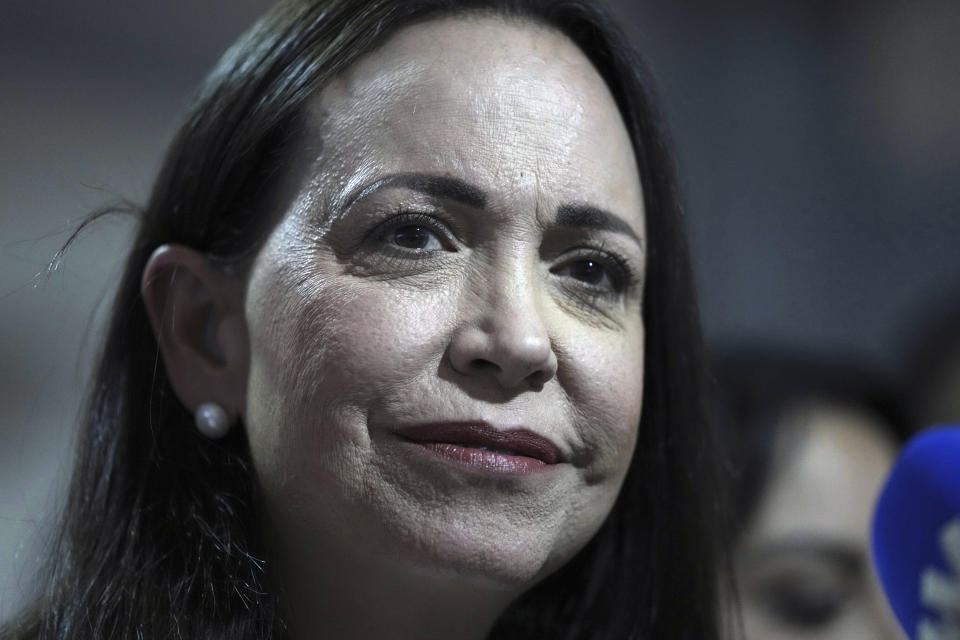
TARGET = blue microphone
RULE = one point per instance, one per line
(916, 536)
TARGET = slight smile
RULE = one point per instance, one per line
(481, 447)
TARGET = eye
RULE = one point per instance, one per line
(591, 272)
(802, 605)
(415, 237)
(807, 591)
(596, 271)
(413, 234)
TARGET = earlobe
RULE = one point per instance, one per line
(196, 312)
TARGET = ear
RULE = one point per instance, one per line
(197, 316)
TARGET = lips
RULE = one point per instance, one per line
(482, 446)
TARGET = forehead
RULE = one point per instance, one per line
(832, 475)
(512, 106)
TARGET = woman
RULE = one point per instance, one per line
(812, 441)
(376, 366)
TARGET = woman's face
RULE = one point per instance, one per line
(446, 362)
(803, 564)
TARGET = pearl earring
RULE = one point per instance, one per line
(212, 420)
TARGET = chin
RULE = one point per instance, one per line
(488, 550)
(492, 563)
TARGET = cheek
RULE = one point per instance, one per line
(325, 351)
(605, 381)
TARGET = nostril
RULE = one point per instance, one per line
(514, 360)
(537, 379)
(479, 365)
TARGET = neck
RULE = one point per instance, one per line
(353, 597)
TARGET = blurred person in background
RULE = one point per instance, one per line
(811, 442)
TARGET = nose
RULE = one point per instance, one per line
(507, 339)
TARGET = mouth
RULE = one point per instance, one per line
(481, 447)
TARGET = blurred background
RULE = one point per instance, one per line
(818, 146)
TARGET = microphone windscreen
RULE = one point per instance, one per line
(916, 535)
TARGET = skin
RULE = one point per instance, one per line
(378, 304)
(803, 563)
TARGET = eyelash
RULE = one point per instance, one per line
(411, 219)
(621, 274)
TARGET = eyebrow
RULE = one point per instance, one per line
(568, 215)
(591, 217)
(840, 552)
(432, 185)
